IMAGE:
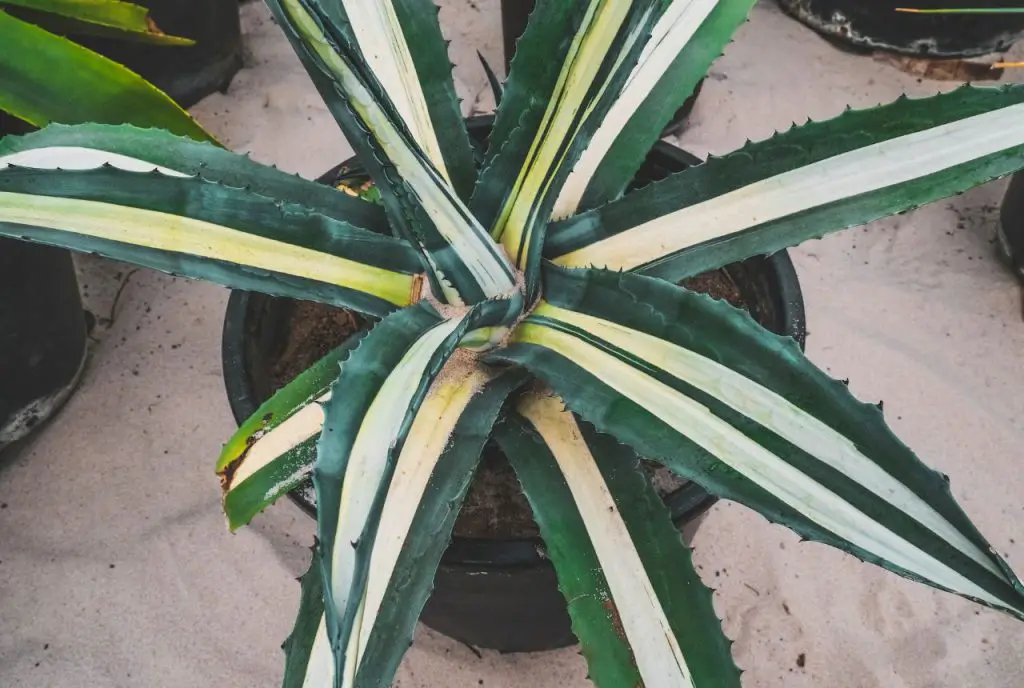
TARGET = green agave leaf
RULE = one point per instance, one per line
(699, 386)
(688, 37)
(429, 51)
(398, 44)
(637, 605)
(201, 229)
(369, 418)
(521, 183)
(532, 78)
(467, 266)
(802, 184)
(115, 18)
(153, 148)
(303, 655)
(274, 450)
(46, 78)
(432, 475)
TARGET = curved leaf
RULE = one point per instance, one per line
(521, 182)
(124, 20)
(689, 36)
(273, 451)
(640, 610)
(369, 418)
(46, 78)
(802, 184)
(161, 149)
(202, 229)
(467, 266)
(700, 386)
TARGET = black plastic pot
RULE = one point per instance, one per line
(515, 15)
(186, 74)
(1011, 225)
(42, 328)
(499, 594)
(42, 335)
(876, 25)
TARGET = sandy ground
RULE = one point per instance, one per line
(116, 569)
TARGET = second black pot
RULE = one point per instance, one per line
(42, 335)
(876, 25)
(500, 594)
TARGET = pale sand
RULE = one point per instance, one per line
(116, 569)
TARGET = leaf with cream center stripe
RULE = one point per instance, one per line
(802, 184)
(522, 178)
(400, 42)
(203, 229)
(701, 387)
(689, 36)
(431, 476)
(369, 417)
(466, 265)
(87, 146)
(638, 607)
(273, 451)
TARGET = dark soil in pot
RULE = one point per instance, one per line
(876, 25)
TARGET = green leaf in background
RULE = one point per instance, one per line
(113, 18)
(45, 78)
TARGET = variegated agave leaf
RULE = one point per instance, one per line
(481, 292)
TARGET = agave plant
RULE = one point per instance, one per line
(44, 77)
(532, 300)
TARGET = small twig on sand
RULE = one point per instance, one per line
(117, 297)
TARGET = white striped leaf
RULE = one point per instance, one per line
(522, 178)
(133, 148)
(637, 605)
(369, 418)
(467, 266)
(812, 180)
(401, 43)
(701, 387)
(431, 475)
(125, 208)
(689, 36)
(273, 451)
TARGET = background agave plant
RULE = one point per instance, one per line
(504, 295)
(44, 77)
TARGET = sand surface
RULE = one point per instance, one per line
(116, 569)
